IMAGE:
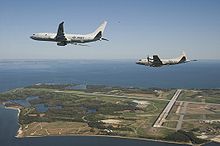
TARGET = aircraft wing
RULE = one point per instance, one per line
(60, 33)
(156, 61)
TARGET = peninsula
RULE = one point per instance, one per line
(177, 115)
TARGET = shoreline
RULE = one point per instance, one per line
(119, 137)
(20, 134)
(124, 137)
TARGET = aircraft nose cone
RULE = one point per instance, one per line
(33, 37)
(137, 62)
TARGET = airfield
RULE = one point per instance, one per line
(160, 114)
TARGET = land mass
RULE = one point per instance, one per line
(189, 116)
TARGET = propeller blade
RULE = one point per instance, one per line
(148, 58)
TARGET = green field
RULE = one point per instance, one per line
(115, 111)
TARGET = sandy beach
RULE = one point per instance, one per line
(19, 132)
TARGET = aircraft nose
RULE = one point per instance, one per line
(137, 62)
(33, 36)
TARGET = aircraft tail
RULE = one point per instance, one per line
(99, 31)
(60, 33)
(183, 57)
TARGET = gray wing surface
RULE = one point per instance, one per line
(156, 61)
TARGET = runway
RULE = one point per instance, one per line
(166, 110)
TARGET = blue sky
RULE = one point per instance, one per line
(136, 28)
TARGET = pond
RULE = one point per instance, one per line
(24, 102)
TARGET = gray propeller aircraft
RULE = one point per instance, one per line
(157, 62)
(63, 39)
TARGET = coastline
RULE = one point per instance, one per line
(19, 132)
(119, 137)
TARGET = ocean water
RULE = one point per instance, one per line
(19, 73)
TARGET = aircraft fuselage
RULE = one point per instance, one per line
(150, 63)
(70, 38)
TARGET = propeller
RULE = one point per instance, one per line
(148, 58)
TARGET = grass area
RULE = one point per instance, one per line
(209, 96)
(170, 124)
(213, 117)
(190, 95)
(87, 107)
(173, 117)
(169, 94)
(189, 125)
(55, 128)
(213, 99)
(102, 110)
(193, 116)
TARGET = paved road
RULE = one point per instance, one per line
(112, 95)
(179, 107)
(204, 115)
(183, 112)
(167, 109)
(198, 102)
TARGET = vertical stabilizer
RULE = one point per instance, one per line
(183, 57)
(60, 33)
(99, 31)
(60, 30)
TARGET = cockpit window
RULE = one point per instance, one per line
(33, 33)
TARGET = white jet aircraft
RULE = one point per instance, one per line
(157, 62)
(63, 39)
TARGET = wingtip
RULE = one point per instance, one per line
(105, 22)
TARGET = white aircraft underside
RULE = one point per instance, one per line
(63, 39)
